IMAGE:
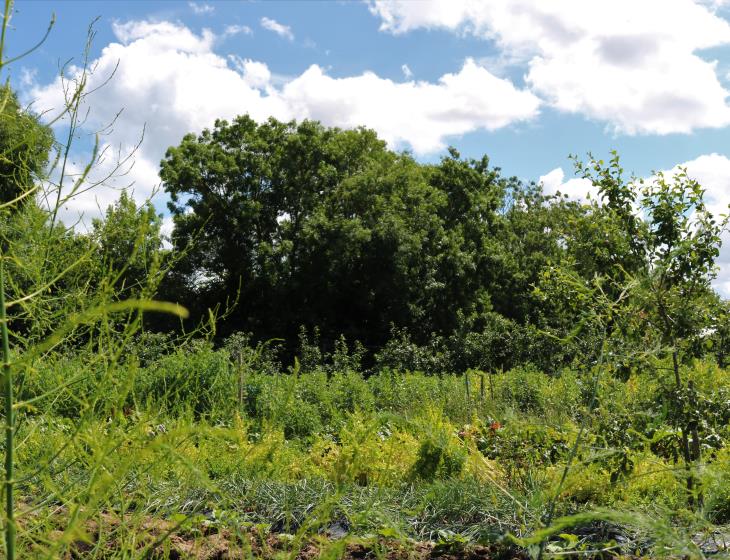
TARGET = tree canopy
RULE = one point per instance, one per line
(326, 227)
(24, 147)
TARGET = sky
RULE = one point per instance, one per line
(527, 82)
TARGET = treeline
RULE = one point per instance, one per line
(321, 233)
(322, 238)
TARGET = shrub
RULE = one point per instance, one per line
(521, 447)
(299, 419)
(149, 347)
(196, 379)
(441, 453)
(401, 354)
(525, 389)
(368, 450)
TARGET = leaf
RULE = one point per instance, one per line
(572, 540)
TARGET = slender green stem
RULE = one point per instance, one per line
(6, 18)
(9, 422)
(6, 373)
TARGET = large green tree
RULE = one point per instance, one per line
(326, 227)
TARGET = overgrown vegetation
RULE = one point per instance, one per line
(383, 358)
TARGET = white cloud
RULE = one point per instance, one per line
(278, 28)
(407, 74)
(115, 169)
(255, 74)
(419, 114)
(28, 76)
(715, 4)
(170, 82)
(160, 36)
(201, 8)
(166, 230)
(634, 65)
(231, 30)
(577, 188)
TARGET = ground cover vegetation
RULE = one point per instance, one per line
(345, 353)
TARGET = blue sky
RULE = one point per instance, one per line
(524, 81)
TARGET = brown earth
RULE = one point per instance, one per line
(161, 540)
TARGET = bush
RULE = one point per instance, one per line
(523, 388)
(299, 419)
(196, 379)
(149, 347)
(441, 453)
(401, 354)
(367, 450)
(247, 357)
(80, 383)
(522, 448)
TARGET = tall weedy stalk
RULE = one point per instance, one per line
(50, 300)
(22, 171)
(9, 421)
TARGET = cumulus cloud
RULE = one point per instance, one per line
(576, 188)
(255, 74)
(170, 81)
(114, 168)
(407, 73)
(634, 65)
(28, 76)
(419, 114)
(278, 28)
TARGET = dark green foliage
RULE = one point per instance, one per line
(194, 378)
(129, 244)
(400, 353)
(438, 267)
(149, 347)
(24, 147)
(360, 237)
(526, 391)
(437, 458)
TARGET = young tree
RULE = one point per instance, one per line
(678, 239)
(129, 244)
